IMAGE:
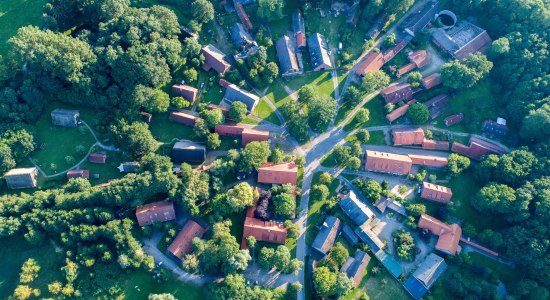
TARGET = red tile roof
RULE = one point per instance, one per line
(229, 129)
(431, 81)
(477, 149)
(406, 68)
(243, 16)
(387, 162)
(420, 58)
(263, 231)
(372, 62)
(397, 92)
(278, 174)
(224, 83)
(454, 119)
(435, 145)
(392, 52)
(97, 157)
(399, 112)
(78, 174)
(214, 58)
(224, 109)
(188, 92)
(183, 118)
(428, 161)
(253, 135)
(301, 39)
(150, 213)
(479, 44)
(407, 136)
(183, 241)
(436, 193)
(449, 235)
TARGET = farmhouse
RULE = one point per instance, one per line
(393, 51)
(318, 51)
(462, 40)
(65, 117)
(97, 157)
(435, 145)
(399, 112)
(449, 235)
(240, 37)
(155, 212)
(183, 241)
(187, 151)
(477, 149)
(299, 28)
(454, 119)
(287, 56)
(431, 81)
(185, 118)
(243, 16)
(234, 93)
(496, 129)
(355, 266)
(397, 92)
(428, 161)
(437, 105)
(128, 167)
(326, 237)
(21, 178)
(420, 18)
(78, 174)
(247, 135)
(425, 276)
(372, 62)
(263, 231)
(436, 193)
(278, 173)
(413, 136)
(418, 59)
(188, 92)
(214, 59)
(387, 163)
(355, 209)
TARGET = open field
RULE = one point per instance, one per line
(264, 111)
(106, 171)
(380, 286)
(376, 117)
(376, 138)
(165, 130)
(321, 80)
(277, 94)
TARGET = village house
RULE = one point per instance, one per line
(387, 163)
(431, 81)
(65, 117)
(299, 28)
(397, 92)
(388, 203)
(453, 119)
(418, 59)
(187, 151)
(356, 266)
(223, 109)
(356, 210)
(234, 93)
(240, 37)
(412, 136)
(318, 51)
(437, 105)
(462, 39)
(97, 157)
(436, 193)
(21, 178)
(214, 59)
(224, 83)
(435, 145)
(428, 161)
(185, 118)
(288, 62)
(372, 62)
(496, 129)
(449, 234)
(417, 20)
(477, 149)
(78, 174)
(155, 212)
(188, 92)
(238, 130)
(278, 173)
(376, 27)
(263, 231)
(129, 167)
(184, 240)
(393, 51)
(425, 276)
(400, 111)
(349, 235)
(243, 15)
(325, 238)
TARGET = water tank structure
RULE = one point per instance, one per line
(446, 19)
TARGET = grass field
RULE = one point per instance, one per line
(376, 117)
(106, 171)
(264, 111)
(277, 94)
(376, 138)
(321, 80)
(165, 130)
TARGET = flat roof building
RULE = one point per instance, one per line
(278, 173)
(318, 51)
(187, 151)
(155, 212)
(65, 117)
(436, 193)
(184, 240)
(387, 163)
(326, 237)
(21, 178)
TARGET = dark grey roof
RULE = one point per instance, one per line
(234, 93)
(326, 236)
(298, 22)
(355, 209)
(444, 40)
(370, 238)
(187, 151)
(65, 112)
(318, 50)
(129, 167)
(353, 266)
(240, 36)
(349, 235)
(287, 56)
(420, 18)
(430, 270)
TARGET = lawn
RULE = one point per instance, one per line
(376, 117)
(321, 80)
(380, 286)
(277, 94)
(147, 285)
(264, 111)
(376, 138)
(54, 144)
(165, 130)
(15, 14)
(106, 171)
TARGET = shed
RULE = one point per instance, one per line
(78, 174)
(21, 178)
(129, 167)
(454, 119)
(97, 157)
(349, 235)
(65, 117)
(184, 118)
